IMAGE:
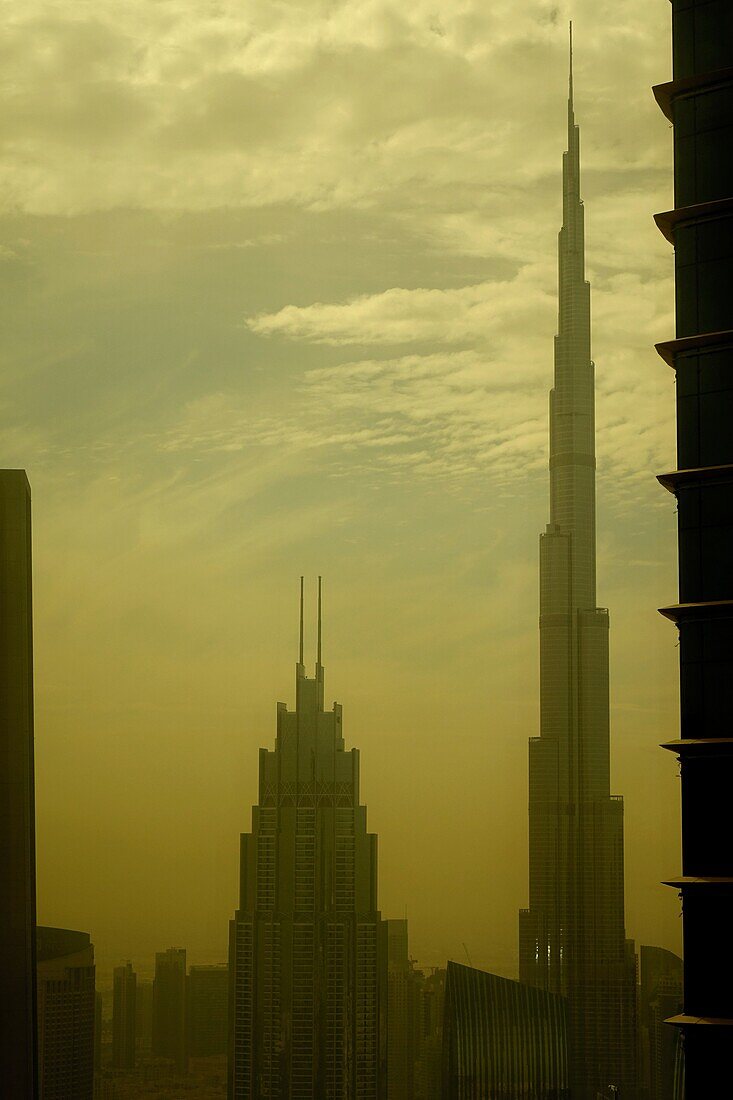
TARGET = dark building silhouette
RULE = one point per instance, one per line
(572, 936)
(144, 1014)
(429, 1065)
(403, 1020)
(208, 1010)
(660, 996)
(98, 1024)
(306, 976)
(169, 1006)
(18, 1040)
(502, 1039)
(699, 101)
(124, 989)
(66, 1014)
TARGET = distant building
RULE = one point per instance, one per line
(98, 1024)
(66, 1014)
(208, 1010)
(169, 1006)
(144, 1014)
(404, 994)
(429, 1065)
(123, 1016)
(660, 997)
(305, 942)
(18, 1040)
(502, 1039)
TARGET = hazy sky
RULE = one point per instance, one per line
(279, 293)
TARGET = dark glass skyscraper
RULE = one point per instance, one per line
(404, 996)
(208, 1010)
(123, 1016)
(18, 1058)
(66, 1014)
(304, 957)
(572, 938)
(169, 1006)
(699, 102)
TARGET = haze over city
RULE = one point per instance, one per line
(280, 291)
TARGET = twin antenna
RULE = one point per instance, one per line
(318, 649)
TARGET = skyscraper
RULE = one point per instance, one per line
(144, 1014)
(428, 1071)
(208, 1010)
(66, 1014)
(699, 102)
(169, 1006)
(660, 997)
(124, 988)
(18, 1057)
(304, 957)
(404, 990)
(572, 938)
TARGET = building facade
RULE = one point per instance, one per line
(572, 936)
(502, 1039)
(208, 1010)
(660, 997)
(18, 1038)
(66, 1014)
(144, 1014)
(169, 1038)
(699, 103)
(404, 1012)
(429, 1065)
(124, 990)
(305, 961)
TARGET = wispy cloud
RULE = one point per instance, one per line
(479, 406)
(400, 316)
(429, 113)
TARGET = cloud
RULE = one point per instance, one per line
(479, 407)
(399, 316)
(324, 105)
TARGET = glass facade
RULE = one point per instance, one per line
(66, 1014)
(502, 1040)
(699, 103)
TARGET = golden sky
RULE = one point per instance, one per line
(278, 295)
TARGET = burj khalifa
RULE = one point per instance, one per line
(572, 936)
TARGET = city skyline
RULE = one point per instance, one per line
(161, 632)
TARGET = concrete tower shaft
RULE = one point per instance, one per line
(572, 936)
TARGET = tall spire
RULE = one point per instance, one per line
(570, 80)
(318, 650)
(572, 429)
(572, 935)
(300, 651)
